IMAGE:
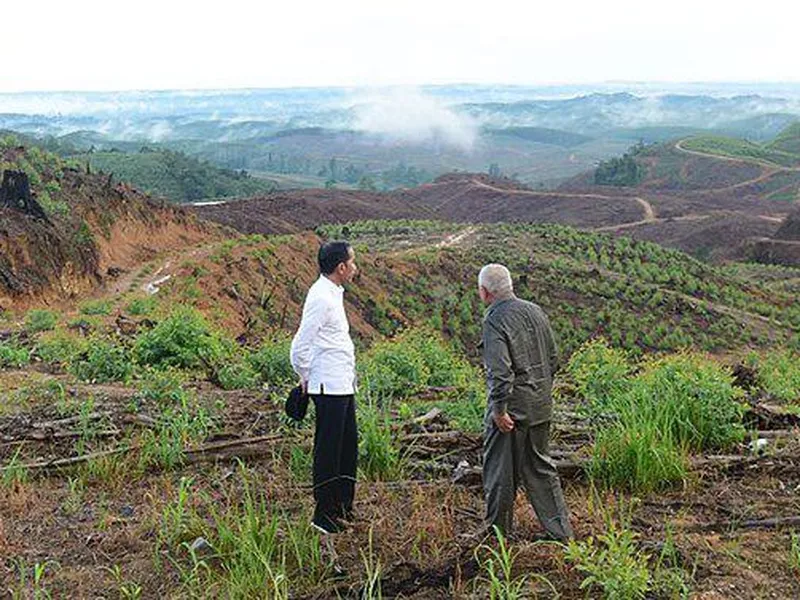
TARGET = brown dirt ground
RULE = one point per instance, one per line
(421, 527)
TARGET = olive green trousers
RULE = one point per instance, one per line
(521, 458)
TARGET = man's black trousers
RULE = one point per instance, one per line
(335, 459)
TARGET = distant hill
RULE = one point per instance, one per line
(770, 154)
(542, 135)
(174, 175)
(788, 140)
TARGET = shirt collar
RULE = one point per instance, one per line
(330, 285)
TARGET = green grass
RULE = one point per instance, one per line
(175, 175)
(649, 418)
(742, 149)
(787, 140)
(778, 373)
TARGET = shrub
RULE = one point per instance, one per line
(778, 372)
(13, 355)
(612, 563)
(96, 307)
(600, 374)
(183, 340)
(104, 362)
(410, 363)
(60, 347)
(235, 374)
(141, 306)
(40, 320)
(271, 362)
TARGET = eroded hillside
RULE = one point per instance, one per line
(65, 233)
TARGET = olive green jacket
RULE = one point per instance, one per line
(520, 354)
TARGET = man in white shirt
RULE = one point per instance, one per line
(323, 356)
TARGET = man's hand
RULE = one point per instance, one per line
(504, 422)
(304, 387)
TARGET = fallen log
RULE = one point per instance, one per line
(771, 523)
(70, 420)
(200, 450)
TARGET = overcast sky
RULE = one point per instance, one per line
(148, 44)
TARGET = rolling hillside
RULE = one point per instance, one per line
(64, 234)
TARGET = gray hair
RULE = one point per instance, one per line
(496, 279)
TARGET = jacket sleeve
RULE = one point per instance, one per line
(499, 373)
(314, 313)
(552, 345)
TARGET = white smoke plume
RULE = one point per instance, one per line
(407, 115)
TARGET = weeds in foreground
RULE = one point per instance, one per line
(31, 585)
(497, 568)
(14, 473)
(794, 554)
(128, 590)
(373, 570)
(379, 456)
(612, 564)
(252, 550)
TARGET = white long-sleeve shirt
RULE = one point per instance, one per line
(322, 352)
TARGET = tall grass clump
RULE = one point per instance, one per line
(379, 456)
(692, 399)
(675, 405)
(634, 453)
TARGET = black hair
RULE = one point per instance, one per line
(331, 255)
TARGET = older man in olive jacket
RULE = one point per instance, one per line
(520, 355)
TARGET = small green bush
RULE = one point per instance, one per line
(612, 564)
(410, 363)
(96, 307)
(600, 374)
(778, 372)
(40, 320)
(271, 362)
(236, 375)
(142, 306)
(104, 362)
(60, 347)
(183, 340)
(12, 355)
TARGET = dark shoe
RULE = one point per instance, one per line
(326, 525)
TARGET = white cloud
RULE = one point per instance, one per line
(407, 115)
